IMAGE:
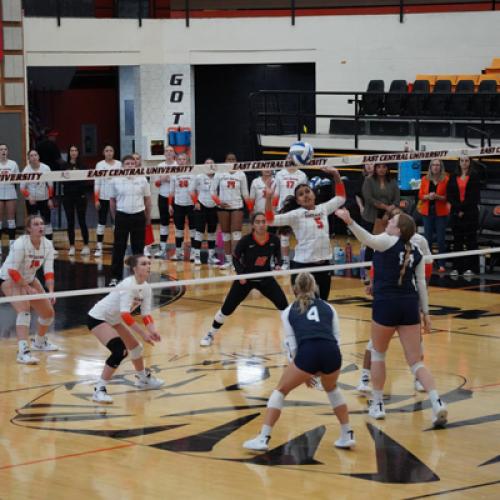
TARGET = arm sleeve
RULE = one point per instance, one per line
(335, 324)
(18, 255)
(287, 219)
(147, 188)
(422, 287)
(244, 186)
(146, 301)
(290, 342)
(126, 299)
(238, 255)
(48, 263)
(379, 242)
(334, 203)
(97, 186)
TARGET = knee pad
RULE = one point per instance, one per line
(100, 229)
(48, 229)
(211, 236)
(236, 235)
(46, 321)
(179, 233)
(136, 352)
(226, 236)
(118, 352)
(377, 356)
(285, 241)
(336, 398)
(23, 319)
(276, 400)
(163, 230)
(369, 346)
(198, 236)
(220, 317)
(11, 224)
(415, 367)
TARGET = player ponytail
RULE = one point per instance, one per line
(305, 290)
(132, 261)
(407, 228)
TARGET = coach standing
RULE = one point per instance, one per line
(130, 203)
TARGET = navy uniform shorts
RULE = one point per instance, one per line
(318, 355)
(396, 312)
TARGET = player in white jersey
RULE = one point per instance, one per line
(38, 195)
(287, 180)
(163, 183)
(310, 224)
(230, 192)
(181, 205)
(102, 187)
(107, 320)
(8, 195)
(18, 277)
(257, 202)
(421, 243)
(205, 214)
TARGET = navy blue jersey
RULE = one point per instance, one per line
(315, 323)
(387, 267)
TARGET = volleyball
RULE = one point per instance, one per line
(315, 182)
(301, 153)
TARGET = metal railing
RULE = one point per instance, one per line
(477, 123)
(142, 9)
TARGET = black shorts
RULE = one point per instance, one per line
(229, 210)
(395, 312)
(318, 355)
(93, 322)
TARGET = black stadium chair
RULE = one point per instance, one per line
(438, 102)
(395, 102)
(483, 102)
(372, 103)
(417, 99)
(461, 100)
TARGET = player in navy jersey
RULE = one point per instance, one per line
(398, 266)
(254, 253)
(311, 338)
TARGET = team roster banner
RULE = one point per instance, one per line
(247, 166)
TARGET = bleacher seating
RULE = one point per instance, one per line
(438, 102)
(372, 103)
(395, 103)
(461, 99)
(417, 100)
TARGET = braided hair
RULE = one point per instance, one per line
(407, 227)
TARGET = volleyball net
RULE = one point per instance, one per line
(347, 269)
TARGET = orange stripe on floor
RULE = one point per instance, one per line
(72, 455)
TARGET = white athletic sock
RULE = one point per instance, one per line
(24, 345)
(433, 396)
(365, 374)
(142, 373)
(101, 383)
(344, 429)
(378, 396)
(39, 338)
(266, 431)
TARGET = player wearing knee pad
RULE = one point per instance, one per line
(111, 321)
(18, 276)
(311, 338)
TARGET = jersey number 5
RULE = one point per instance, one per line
(313, 314)
(319, 222)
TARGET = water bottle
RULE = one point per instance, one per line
(338, 258)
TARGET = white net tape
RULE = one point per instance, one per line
(247, 166)
(230, 278)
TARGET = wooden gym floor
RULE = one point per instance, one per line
(185, 439)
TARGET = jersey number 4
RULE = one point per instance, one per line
(313, 314)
